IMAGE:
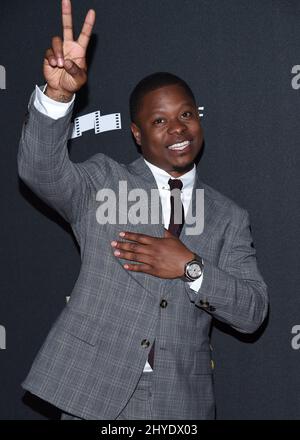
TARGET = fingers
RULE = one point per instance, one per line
(131, 246)
(76, 72)
(87, 29)
(57, 47)
(140, 238)
(145, 268)
(72, 68)
(50, 57)
(66, 8)
(132, 256)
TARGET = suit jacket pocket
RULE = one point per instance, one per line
(81, 326)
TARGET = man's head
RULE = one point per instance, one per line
(165, 122)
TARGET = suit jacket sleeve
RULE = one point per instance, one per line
(234, 292)
(44, 165)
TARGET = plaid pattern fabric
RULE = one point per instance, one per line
(94, 354)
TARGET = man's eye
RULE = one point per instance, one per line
(187, 114)
(158, 121)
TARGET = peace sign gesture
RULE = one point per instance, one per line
(64, 65)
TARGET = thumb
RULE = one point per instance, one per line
(75, 71)
(168, 234)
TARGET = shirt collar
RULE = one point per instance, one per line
(162, 177)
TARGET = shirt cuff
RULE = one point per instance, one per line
(195, 285)
(50, 107)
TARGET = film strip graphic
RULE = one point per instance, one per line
(94, 121)
(200, 111)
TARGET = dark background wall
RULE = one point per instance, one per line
(238, 57)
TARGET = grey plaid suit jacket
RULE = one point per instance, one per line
(95, 352)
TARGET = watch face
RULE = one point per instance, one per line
(194, 270)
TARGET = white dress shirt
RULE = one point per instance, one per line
(56, 110)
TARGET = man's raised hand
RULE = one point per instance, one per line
(64, 67)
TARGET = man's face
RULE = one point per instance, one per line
(168, 129)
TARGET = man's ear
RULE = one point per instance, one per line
(136, 133)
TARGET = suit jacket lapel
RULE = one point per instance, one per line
(146, 181)
(143, 178)
(200, 243)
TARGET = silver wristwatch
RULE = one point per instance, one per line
(193, 269)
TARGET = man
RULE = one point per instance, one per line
(133, 341)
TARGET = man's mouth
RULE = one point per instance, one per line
(179, 146)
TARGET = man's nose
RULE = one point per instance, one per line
(176, 126)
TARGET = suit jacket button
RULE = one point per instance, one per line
(163, 303)
(145, 343)
(204, 304)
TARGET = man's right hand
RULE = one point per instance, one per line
(64, 67)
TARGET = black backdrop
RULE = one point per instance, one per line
(240, 58)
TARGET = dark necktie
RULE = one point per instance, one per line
(177, 211)
(175, 227)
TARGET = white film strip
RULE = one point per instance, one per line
(93, 121)
(201, 110)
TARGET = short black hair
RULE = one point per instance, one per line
(153, 82)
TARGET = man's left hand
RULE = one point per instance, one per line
(162, 257)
